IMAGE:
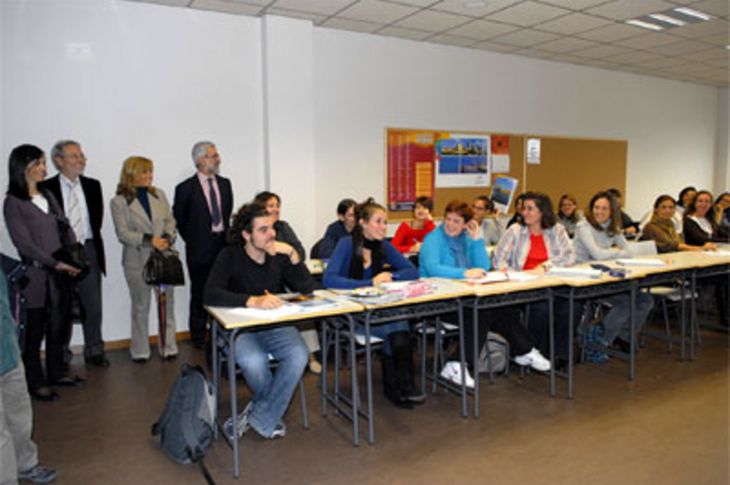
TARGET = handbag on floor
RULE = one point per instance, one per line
(187, 423)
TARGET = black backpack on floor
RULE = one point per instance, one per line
(187, 422)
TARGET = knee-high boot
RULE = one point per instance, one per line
(400, 343)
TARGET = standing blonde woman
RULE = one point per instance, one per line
(143, 220)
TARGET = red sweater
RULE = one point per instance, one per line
(405, 237)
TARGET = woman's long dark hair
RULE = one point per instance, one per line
(544, 205)
(363, 212)
(20, 158)
(692, 208)
(614, 226)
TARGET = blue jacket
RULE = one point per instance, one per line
(338, 269)
(9, 352)
(437, 259)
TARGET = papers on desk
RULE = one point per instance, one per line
(719, 252)
(499, 276)
(286, 310)
(650, 262)
(585, 273)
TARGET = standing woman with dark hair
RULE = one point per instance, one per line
(358, 261)
(539, 242)
(143, 221)
(599, 237)
(286, 242)
(568, 214)
(409, 236)
(33, 216)
(662, 231)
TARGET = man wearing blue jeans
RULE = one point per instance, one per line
(249, 272)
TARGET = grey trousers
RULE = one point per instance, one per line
(17, 450)
(140, 294)
(616, 322)
(90, 294)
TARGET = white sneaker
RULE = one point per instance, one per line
(241, 426)
(452, 372)
(534, 359)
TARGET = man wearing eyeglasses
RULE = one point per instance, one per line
(82, 202)
(202, 209)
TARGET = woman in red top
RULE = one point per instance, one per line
(408, 237)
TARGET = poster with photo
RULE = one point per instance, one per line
(503, 192)
(463, 161)
(410, 161)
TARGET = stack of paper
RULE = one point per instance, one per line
(261, 314)
(641, 262)
(575, 272)
(491, 277)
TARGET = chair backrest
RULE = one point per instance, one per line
(642, 248)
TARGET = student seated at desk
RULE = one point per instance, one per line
(700, 227)
(722, 210)
(629, 227)
(598, 237)
(488, 219)
(456, 250)
(568, 214)
(337, 230)
(249, 272)
(663, 232)
(358, 261)
(535, 243)
(517, 216)
(409, 235)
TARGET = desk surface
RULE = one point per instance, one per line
(229, 318)
(511, 286)
(444, 289)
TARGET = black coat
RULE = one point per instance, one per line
(95, 205)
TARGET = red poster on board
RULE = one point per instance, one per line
(410, 167)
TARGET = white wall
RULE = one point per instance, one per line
(722, 143)
(152, 81)
(365, 83)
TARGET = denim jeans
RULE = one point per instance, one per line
(616, 322)
(272, 391)
(382, 331)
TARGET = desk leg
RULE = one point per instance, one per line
(464, 411)
(682, 324)
(475, 349)
(233, 398)
(692, 315)
(355, 389)
(551, 334)
(571, 301)
(369, 381)
(216, 373)
(632, 330)
(324, 378)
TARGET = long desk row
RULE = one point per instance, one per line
(451, 296)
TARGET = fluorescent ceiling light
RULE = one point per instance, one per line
(645, 25)
(693, 13)
(667, 19)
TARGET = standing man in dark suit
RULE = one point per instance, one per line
(82, 202)
(202, 209)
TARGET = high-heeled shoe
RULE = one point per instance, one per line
(44, 393)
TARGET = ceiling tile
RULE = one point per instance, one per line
(575, 4)
(719, 63)
(633, 57)
(452, 40)
(457, 6)
(494, 47)
(415, 3)
(612, 33)
(317, 19)
(252, 2)
(679, 48)
(347, 24)
(573, 23)
(601, 52)
(482, 29)
(404, 33)
(322, 7)
(528, 13)
(567, 44)
(535, 53)
(720, 8)
(169, 3)
(376, 11)
(686, 68)
(627, 9)
(703, 29)
(599, 63)
(227, 6)
(717, 39)
(707, 54)
(663, 62)
(432, 21)
(646, 41)
(525, 38)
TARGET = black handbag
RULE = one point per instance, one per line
(72, 254)
(164, 268)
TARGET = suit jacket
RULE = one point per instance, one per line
(94, 204)
(193, 216)
(135, 230)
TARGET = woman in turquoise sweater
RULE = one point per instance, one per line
(456, 250)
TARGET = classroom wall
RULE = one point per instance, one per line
(722, 144)
(365, 83)
(302, 110)
(126, 78)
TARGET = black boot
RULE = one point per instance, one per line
(400, 343)
(390, 384)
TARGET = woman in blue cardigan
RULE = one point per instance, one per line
(456, 250)
(358, 261)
